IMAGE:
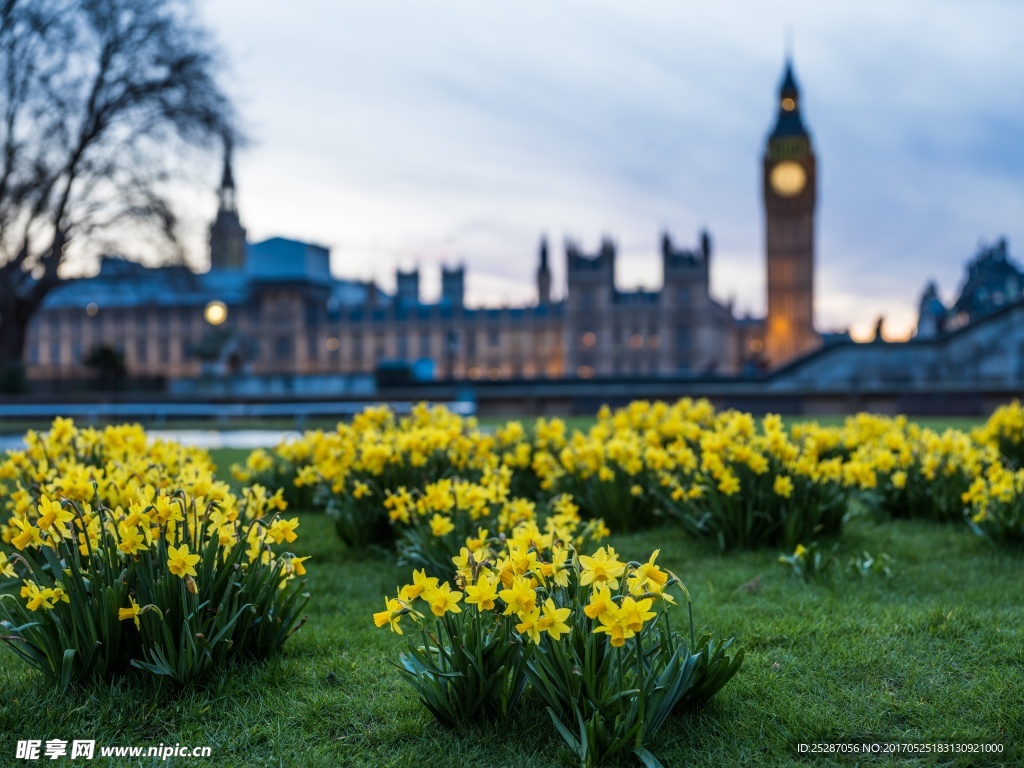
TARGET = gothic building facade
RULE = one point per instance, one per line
(992, 281)
(274, 307)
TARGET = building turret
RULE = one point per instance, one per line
(408, 285)
(932, 314)
(453, 285)
(227, 235)
(543, 275)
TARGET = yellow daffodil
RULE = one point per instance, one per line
(530, 625)
(180, 562)
(600, 602)
(390, 615)
(6, 567)
(553, 620)
(420, 584)
(36, 598)
(521, 598)
(440, 525)
(615, 623)
(483, 593)
(442, 600)
(635, 612)
(601, 568)
(29, 536)
(51, 514)
(558, 569)
(132, 539)
(131, 612)
(282, 530)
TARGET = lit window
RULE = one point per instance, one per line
(216, 312)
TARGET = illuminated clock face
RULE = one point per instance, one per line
(788, 178)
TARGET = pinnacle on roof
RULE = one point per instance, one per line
(227, 180)
(789, 122)
(788, 80)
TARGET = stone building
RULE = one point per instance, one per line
(679, 329)
(274, 307)
(992, 280)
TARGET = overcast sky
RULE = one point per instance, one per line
(406, 132)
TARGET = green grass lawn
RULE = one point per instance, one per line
(934, 653)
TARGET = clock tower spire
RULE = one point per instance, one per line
(227, 235)
(790, 192)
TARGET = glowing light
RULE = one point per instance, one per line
(589, 339)
(788, 104)
(333, 344)
(636, 340)
(92, 309)
(788, 178)
(654, 340)
(585, 372)
(494, 374)
(475, 373)
(216, 312)
(756, 345)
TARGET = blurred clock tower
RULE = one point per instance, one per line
(790, 190)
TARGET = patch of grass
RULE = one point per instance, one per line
(223, 458)
(934, 653)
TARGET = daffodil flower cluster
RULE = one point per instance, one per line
(351, 470)
(435, 523)
(748, 484)
(116, 563)
(586, 630)
(726, 476)
(995, 502)
(1004, 431)
(122, 468)
(907, 470)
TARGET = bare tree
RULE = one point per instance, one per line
(100, 102)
